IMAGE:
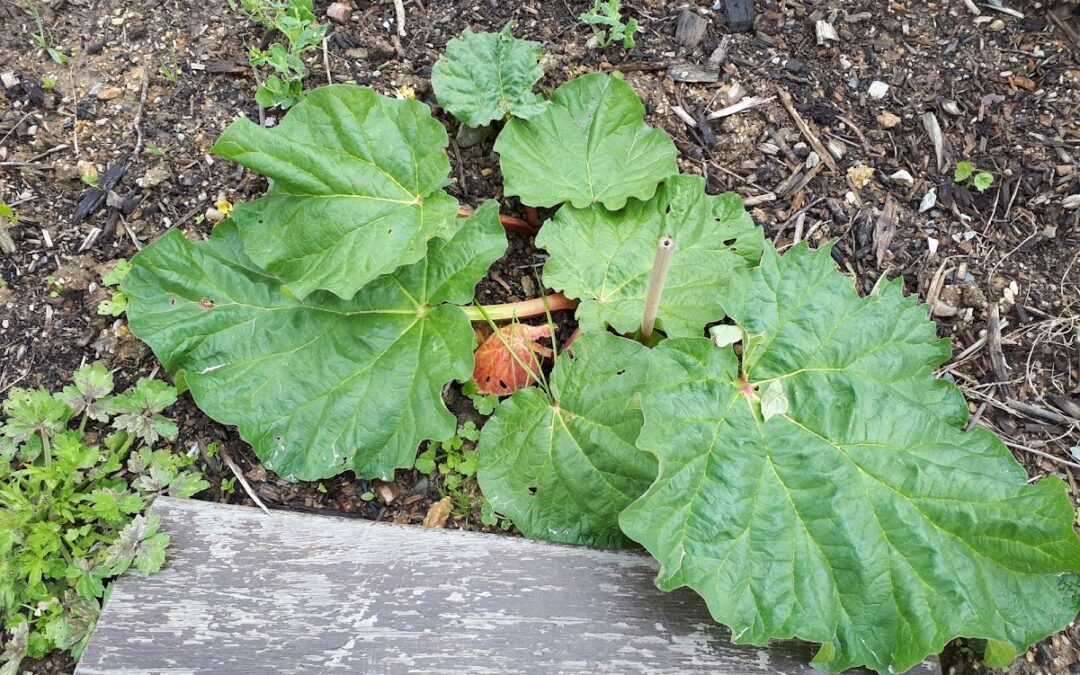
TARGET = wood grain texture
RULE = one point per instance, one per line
(246, 592)
(740, 14)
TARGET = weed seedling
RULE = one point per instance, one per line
(608, 26)
(41, 37)
(55, 286)
(295, 20)
(967, 175)
(117, 303)
(484, 404)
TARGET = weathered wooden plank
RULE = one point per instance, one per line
(244, 592)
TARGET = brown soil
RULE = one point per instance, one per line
(1004, 91)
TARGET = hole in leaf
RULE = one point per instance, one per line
(729, 242)
(532, 490)
(620, 372)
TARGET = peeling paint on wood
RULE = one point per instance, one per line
(246, 592)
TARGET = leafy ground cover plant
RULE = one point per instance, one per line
(71, 504)
(800, 468)
(486, 77)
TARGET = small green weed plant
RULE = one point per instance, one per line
(295, 21)
(967, 175)
(117, 303)
(605, 17)
(775, 440)
(42, 37)
(71, 504)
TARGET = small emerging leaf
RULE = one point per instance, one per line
(773, 401)
(92, 383)
(999, 654)
(983, 180)
(724, 334)
(963, 171)
(484, 77)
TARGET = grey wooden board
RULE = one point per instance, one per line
(247, 592)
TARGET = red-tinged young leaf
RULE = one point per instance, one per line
(497, 371)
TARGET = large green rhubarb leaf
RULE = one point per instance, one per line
(590, 146)
(355, 189)
(714, 237)
(484, 77)
(859, 515)
(564, 469)
(321, 385)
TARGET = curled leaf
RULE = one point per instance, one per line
(508, 363)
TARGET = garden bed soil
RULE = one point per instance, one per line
(1002, 89)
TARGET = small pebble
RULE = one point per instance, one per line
(887, 120)
(902, 177)
(108, 94)
(996, 25)
(338, 12)
(928, 201)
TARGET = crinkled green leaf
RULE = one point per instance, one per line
(31, 411)
(72, 628)
(14, 648)
(187, 484)
(139, 543)
(562, 470)
(714, 237)
(138, 410)
(355, 193)
(92, 383)
(321, 385)
(863, 518)
(983, 180)
(590, 146)
(484, 77)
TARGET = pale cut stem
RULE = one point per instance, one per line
(661, 263)
(521, 310)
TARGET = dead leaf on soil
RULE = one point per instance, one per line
(497, 371)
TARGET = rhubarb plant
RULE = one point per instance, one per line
(799, 468)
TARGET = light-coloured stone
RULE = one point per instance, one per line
(902, 177)
(878, 89)
(887, 120)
